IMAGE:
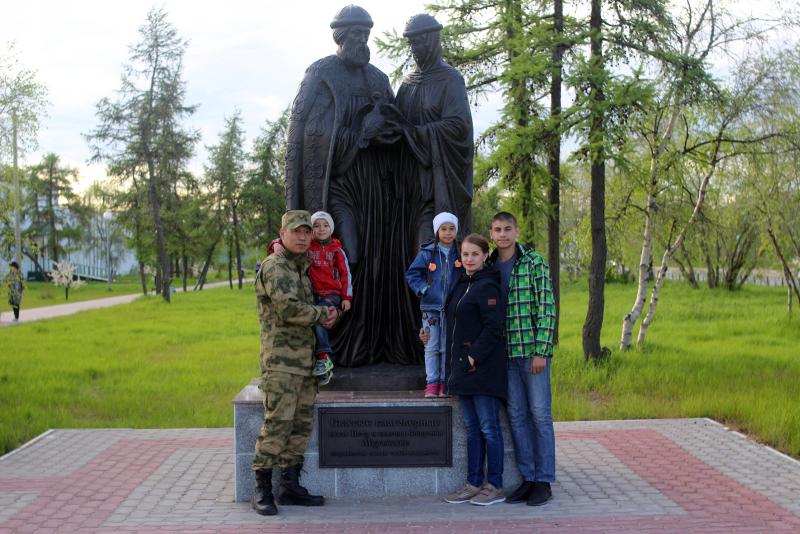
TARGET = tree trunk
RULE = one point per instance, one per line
(686, 267)
(645, 265)
(34, 259)
(161, 242)
(201, 279)
(230, 262)
(554, 164)
(512, 17)
(711, 271)
(143, 278)
(735, 269)
(17, 190)
(238, 247)
(791, 281)
(152, 188)
(51, 214)
(669, 252)
(137, 238)
(593, 324)
(185, 268)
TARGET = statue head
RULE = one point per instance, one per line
(424, 35)
(351, 26)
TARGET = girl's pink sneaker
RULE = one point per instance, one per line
(431, 391)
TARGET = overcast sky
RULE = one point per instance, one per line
(245, 54)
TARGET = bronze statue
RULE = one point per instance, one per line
(338, 161)
(382, 168)
(436, 124)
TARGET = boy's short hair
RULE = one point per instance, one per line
(503, 216)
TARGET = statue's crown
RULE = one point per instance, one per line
(351, 15)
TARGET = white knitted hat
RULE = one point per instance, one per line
(323, 215)
(438, 221)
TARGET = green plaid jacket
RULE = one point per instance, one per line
(530, 311)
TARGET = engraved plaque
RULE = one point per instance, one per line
(386, 437)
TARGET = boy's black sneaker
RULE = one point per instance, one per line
(521, 494)
(540, 494)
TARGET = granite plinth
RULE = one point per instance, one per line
(248, 414)
(378, 377)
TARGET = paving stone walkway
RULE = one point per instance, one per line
(687, 475)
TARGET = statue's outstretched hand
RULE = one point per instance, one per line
(373, 124)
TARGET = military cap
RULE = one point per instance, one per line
(351, 16)
(422, 23)
(295, 219)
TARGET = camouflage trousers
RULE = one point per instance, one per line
(288, 416)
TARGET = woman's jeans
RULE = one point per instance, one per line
(530, 414)
(484, 439)
(435, 348)
(320, 332)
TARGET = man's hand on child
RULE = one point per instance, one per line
(278, 249)
(423, 335)
(333, 315)
(345, 305)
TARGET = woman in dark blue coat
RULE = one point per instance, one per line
(478, 375)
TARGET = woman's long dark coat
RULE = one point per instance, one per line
(475, 327)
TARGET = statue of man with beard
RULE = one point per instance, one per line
(436, 125)
(337, 161)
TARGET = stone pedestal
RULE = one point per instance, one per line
(248, 413)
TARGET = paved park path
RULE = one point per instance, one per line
(60, 310)
(684, 475)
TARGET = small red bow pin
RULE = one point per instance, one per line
(431, 266)
(458, 263)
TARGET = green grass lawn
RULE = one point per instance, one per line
(734, 357)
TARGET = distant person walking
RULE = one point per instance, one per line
(15, 284)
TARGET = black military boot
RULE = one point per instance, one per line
(292, 493)
(263, 501)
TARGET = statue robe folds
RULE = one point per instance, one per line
(331, 166)
(439, 140)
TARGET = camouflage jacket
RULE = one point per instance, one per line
(286, 312)
(16, 286)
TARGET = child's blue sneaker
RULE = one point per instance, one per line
(322, 366)
(323, 380)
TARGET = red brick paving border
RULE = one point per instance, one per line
(714, 502)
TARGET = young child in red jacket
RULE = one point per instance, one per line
(330, 280)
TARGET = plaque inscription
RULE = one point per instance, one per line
(386, 437)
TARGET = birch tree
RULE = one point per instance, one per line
(727, 141)
(702, 30)
(23, 100)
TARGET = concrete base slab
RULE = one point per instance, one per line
(363, 481)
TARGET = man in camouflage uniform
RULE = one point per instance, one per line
(287, 313)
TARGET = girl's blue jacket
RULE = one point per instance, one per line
(432, 275)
